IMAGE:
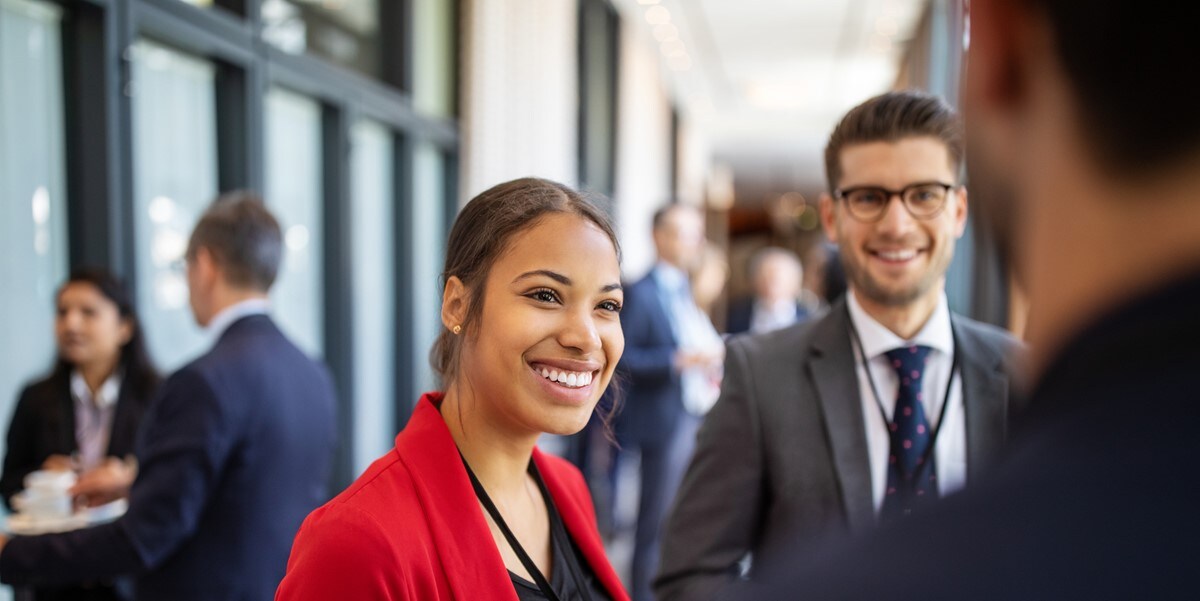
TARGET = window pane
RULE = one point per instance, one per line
(374, 276)
(428, 236)
(433, 58)
(345, 32)
(175, 178)
(33, 242)
(293, 191)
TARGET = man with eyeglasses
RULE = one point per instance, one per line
(870, 413)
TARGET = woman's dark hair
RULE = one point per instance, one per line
(482, 233)
(140, 374)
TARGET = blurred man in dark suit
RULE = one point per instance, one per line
(776, 274)
(233, 453)
(1086, 159)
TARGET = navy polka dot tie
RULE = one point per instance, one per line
(911, 476)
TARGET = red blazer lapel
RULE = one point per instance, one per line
(473, 566)
(574, 504)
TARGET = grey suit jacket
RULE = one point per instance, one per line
(782, 456)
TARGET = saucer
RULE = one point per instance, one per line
(27, 525)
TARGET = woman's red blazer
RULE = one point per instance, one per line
(410, 528)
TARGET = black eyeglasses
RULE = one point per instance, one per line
(923, 200)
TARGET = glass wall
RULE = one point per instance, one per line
(433, 65)
(428, 240)
(33, 226)
(175, 179)
(345, 32)
(121, 120)
(293, 191)
(374, 279)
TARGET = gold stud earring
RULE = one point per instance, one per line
(456, 330)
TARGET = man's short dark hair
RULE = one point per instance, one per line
(243, 238)
(892, 117)
(1131, 66)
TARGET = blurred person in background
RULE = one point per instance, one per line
(824, 279)
(669, 359)
(777, 275)
(466, 507)
(84, 416)
(233, 452)
(1086, 154)
(709, 276)
(873, 412)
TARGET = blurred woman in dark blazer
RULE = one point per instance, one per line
(84, 416)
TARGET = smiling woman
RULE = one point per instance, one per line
(466, 507)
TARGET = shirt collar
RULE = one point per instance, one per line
(105, 397)
(876, 339)
(225, 318)
(669, 277)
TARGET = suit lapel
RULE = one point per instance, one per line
(985, 398)
(832, 370)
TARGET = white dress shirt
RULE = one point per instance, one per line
(765, 317)
(93, 417)
(694, 332)
(951, 451)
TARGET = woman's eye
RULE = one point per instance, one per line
(613, 306)
(545, 296)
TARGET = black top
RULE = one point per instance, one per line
(567, 561)
(43, 424)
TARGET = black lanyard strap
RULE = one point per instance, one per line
(954, 369)
(526, 561)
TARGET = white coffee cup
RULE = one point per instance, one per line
(46, 495)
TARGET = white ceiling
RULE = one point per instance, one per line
(766, 80)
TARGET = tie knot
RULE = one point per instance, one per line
(909, 361)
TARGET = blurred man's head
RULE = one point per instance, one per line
(777, 275)
(1085, 148)
(234, 253)
(895, 206)
(679, 234)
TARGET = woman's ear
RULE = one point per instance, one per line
(454, 303)
(126, 330)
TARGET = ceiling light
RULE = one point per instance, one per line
(657, 15)
(648, 2)
(680, 63)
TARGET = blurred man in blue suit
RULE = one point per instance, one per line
(232, 455)
(671, 352)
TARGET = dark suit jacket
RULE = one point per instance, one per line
(653, 394)
(43, 424)
(783, 454)
(233, 454)
(1095, 498)
(741, 315)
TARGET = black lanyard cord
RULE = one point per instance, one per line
(526, 561)
(887, 422)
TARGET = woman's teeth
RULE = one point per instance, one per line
(570, 379)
